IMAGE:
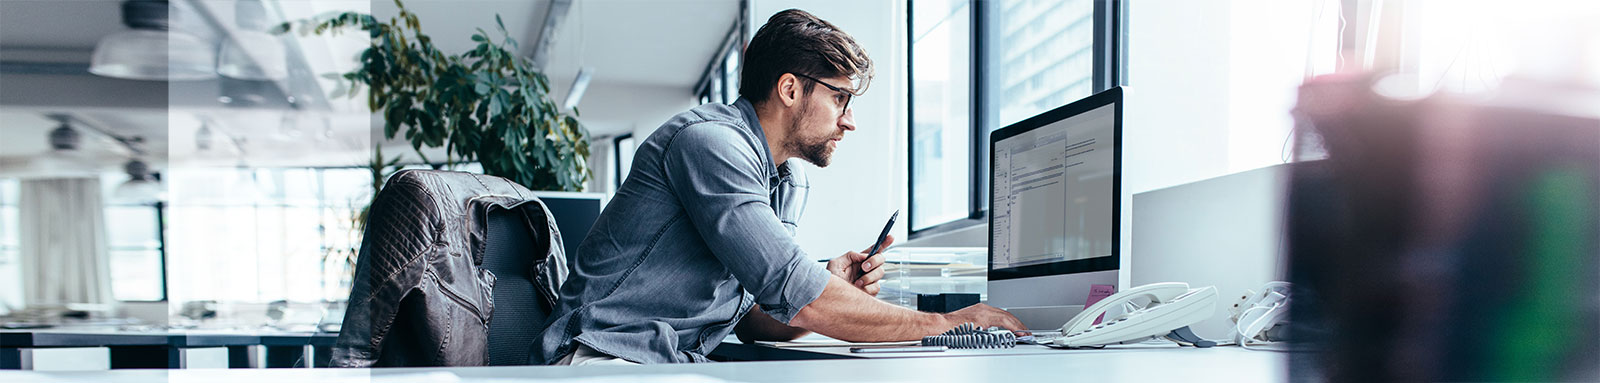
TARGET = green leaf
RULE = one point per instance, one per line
(486, 104)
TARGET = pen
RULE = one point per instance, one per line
(881, 236)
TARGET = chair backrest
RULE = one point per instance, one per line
(510, 254)
(406, 313)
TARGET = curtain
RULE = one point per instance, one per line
(63, 242)
(600, 166)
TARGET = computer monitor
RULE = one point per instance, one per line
(1056, 209)
(575, 214)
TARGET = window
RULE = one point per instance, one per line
(977, 66)
(1039, 54)
(135, 247)
(731, 64)
(136, 251)
(10, 254)
(720, 81)
(260, 234)
(624, 146)
(941, 104)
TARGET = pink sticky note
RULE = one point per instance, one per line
(1096, 293)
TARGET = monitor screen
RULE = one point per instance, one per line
(1054, 194)
(575, 214)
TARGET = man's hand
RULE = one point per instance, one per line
(844, 313)
(985, 316)
(861, 271)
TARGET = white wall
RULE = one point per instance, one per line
(1211, 88)
(1177, 103)
(1212, 84)
(613, 108)
(852, 198)
(610, 109)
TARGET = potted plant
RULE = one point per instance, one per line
(487, 105)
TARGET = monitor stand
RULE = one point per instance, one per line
(1045, 318)
(1047, 302)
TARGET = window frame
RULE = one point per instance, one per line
(616, 159)
(161, 246)
(714, 84)
(1110, 60)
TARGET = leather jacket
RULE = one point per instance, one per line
(419, 297)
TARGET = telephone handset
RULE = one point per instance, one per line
(1171, 305)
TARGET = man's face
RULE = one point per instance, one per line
(821, 122)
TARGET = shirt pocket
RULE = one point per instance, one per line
(789, 201)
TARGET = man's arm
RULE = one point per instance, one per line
(865, 270)
(758, 325)
(844, 312)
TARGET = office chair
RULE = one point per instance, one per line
(455, 269)
(518, 309)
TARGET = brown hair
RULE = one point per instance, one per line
(794, 41)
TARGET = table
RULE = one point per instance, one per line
(98, 349)
(732, 350)
(297, 349)
(1219, 364)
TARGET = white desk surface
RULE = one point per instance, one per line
(1220, 364)
(1021, 349)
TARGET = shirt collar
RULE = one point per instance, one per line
(749, 111)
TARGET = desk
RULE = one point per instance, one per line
(1221, 364)
(732, 350)
(98, 349)
(297, 349)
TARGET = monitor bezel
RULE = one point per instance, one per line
(1113, 97)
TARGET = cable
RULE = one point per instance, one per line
(968, 335)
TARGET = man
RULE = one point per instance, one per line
(699, 240)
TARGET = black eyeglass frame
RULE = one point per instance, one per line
(848, 95)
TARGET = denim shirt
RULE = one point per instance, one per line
(702, 230)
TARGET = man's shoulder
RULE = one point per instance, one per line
(718, 112)
(716, 126)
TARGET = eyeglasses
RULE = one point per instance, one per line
(848, 95)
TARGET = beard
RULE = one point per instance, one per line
(813, 149)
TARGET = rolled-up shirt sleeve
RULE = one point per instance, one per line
(721, 182)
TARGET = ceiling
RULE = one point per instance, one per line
(627, 43)
(651, 42)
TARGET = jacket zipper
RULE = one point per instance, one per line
(448, 293)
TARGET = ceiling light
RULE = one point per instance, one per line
(63, 138)
(142, 186)
(152, 51)
(64, 158)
